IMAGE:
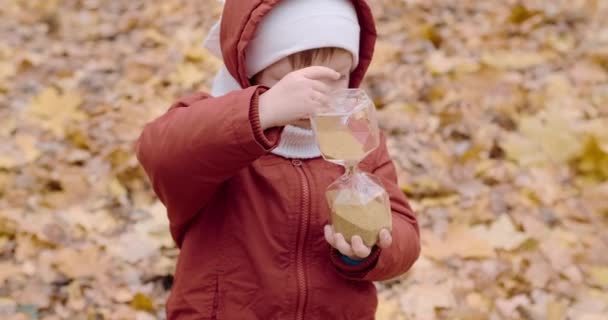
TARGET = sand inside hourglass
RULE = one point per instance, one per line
(360, 216)
(336, 141)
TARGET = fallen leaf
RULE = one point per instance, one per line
(501, 234)
(140, 315)
(520, 13)
(508, 307)
(557, 251)
(460, 241)
(599, 275)
(421, 301)
(142, 302)
(8, 306)
(80, 263)
(123, 295)
(7, 70)
(546, 138)
(593, 160)
(131, 247)
(187, 75)
(7, 126)
(156, 227)
(539, 273)
(33, 296)
(514, 60)
(438, 63)
(27, 146)
(596, 198)
(385, 53)
(388, 309)
(54, 110)
(556, 310)
(8, 271)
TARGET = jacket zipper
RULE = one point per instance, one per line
(302, 234)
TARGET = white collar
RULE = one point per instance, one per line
(297, 143)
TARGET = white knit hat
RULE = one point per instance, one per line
(297, 25)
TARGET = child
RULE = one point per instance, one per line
(243, 181)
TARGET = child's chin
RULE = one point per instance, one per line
(302, 124)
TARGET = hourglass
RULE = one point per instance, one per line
(346, 132)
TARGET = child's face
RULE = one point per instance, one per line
(341, 61)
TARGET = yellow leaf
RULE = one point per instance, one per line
(156, 37)
(596, 197)
(562, 43)
(7, 126)
(598, 129)
(501, 234)
(556, 310)
(116, 188)
(430, 33)
(7, 70)
(539, 272)
(156, 227)
(8, 225)
(421, 299)
(478, 302)
(199, 54)
(545, 138)
(27, 144)
(513, 59)
(385, 53)
(593, 160)
(7, 162)
(599, 274)
(122, 247)
(142, 302)
(438, 63)
(459, 241)
(7, 271)
(388, 309)
(188, 75)
(123, 295)
(80, 263)
(520, 13)
(53, 110)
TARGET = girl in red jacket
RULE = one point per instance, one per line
(243, 180)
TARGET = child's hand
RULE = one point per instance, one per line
(296, 96)
(357, 250)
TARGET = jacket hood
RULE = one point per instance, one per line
(240, 19)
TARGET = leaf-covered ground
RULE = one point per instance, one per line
(497, 112)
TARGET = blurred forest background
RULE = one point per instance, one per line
(497, 113)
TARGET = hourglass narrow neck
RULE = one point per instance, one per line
(351, 168)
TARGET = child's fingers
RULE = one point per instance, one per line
(321, 100)
(321, 87)
(319, 73)
(360, 249)
(343, 246)
(385, 239)
(329, 235)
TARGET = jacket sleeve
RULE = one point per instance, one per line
(197, 145)
(384, 264)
